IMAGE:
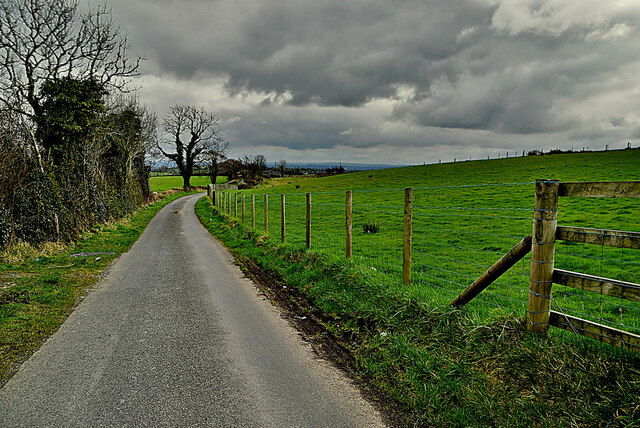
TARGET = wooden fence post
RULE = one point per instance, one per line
(348, 217)
(214, 195)
(253, 211)
(545, 216)
(223, 196)
(308, 220)
(243, 208)
(406, 253)
(282, 217)
(266, 214)
(235, 205)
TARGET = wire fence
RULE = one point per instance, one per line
(458, 232)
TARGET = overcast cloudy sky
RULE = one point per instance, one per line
(395, 81)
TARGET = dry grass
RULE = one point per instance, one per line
(20, 251)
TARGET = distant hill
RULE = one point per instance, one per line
(349, 166)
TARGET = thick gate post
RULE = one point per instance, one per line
(545, 215)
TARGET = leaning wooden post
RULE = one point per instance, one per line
(408, 217)
(308, 220)
(253, 211)
(545, 215)
(266, 214)
(235, 205)
(243, 208)
(505, 263)
(282, 217)
(348, 243)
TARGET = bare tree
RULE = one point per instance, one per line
(282, 165)
(253, 169)
(214, 156)
(193, 132)
(44, 40)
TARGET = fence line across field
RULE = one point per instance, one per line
(440, 248)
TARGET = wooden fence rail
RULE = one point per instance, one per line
(608, 238)
(507, 261)
(596, 331)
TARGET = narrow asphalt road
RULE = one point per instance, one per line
(175, 336)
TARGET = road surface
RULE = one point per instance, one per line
(175, 336)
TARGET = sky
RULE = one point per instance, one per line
(394, 81)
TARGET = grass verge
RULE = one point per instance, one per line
(443, 366)
(40, 287)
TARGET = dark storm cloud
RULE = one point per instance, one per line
(365, 72)
(322, 52)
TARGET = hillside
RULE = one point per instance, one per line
(616, 165)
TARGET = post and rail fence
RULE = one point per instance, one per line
(431, 231)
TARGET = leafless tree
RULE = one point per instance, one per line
(50, 39)
(254, 168)
(282, 165)
(194, 132)
(213, 158)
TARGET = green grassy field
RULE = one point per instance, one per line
(160, 183)
(466, 216)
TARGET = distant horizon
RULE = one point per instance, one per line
(364, 166)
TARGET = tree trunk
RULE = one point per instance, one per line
(213, 171)
(186, 179)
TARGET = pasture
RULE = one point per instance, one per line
(466, 216)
